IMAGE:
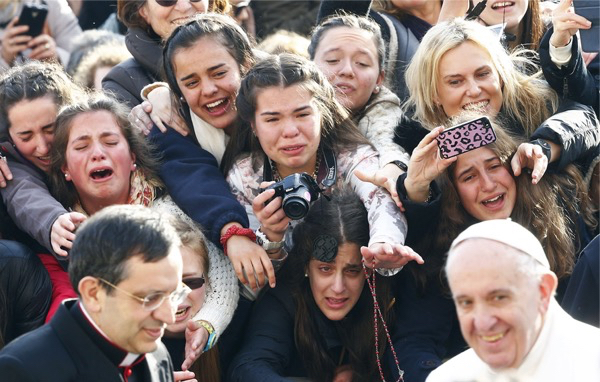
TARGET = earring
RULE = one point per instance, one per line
(66, 175)
(135, 166)
(182, 99)
(305, 274)
(377, 88)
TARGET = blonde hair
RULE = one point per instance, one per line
(107, 54)
(526, 99)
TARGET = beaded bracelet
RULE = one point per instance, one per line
(238, 231)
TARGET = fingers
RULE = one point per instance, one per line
(5, 173)
(184, 376)
(179, 125)
(540, 164)
(139, 119)
(365, 177)
(268, 267)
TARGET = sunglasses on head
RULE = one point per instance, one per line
(170, 3)
(194, 282)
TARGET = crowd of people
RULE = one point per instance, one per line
(277, 172)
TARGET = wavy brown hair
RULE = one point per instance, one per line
(548, 209)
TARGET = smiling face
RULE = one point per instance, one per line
(164, 20)
(123, 319)
(209, 85)
(32, 129)
(192, 269)
(98, 160)
(349, 59)
(337, 286)
(500, 309)
(497, 11)
(287, 123)
(468, 79)
(486, 188)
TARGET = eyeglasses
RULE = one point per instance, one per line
(194, 282)
(170, 3)
(154, 300)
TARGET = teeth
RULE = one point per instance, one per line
(492, 200)
(493, 338)
(476, 105)
(181, 312)
(44, 158)
(502, 4)
(216, 103)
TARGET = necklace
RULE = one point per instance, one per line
(277, 177)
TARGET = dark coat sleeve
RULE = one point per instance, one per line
(573, 81)
(424, 328)
(576, 128)
(419, 216)
(582, 297)
(196, 184)
(268, 346)
(125, 81)
(26, 288)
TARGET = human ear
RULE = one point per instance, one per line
(143, 11)
(64, 169)
(547, 287)
(133, 165)
(91, 293)
(380, 78)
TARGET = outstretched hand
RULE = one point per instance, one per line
(196, 336)
(566, 23)
(530, 156)
(63, 231)
(389, 256)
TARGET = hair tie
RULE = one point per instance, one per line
(325, 248)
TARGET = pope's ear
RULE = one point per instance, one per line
(548, 284)
(92, 294)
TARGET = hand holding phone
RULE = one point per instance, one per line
(465, 137)
(34, 16)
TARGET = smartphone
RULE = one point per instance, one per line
(589, 9)
(465, 137)
(33, 15)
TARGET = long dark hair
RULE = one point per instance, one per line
(344, 218)
(337, 130)
(219, 27)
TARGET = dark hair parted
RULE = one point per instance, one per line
(337, 130)
(222, 28)
(348, 21)
(31, 81)
(146, 162)
(128, 11)
(106, 241)
(344, 218)
(548, 209)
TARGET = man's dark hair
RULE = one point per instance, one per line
(105, 242)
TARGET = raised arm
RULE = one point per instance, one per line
(195, 183)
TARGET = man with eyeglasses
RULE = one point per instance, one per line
(126, 267)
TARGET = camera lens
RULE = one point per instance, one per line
(295, 207)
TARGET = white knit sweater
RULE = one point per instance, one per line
(222, 292)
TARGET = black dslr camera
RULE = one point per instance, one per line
(297, 191)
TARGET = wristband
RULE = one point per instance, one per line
(236, 230)
(401, 165)
(211, 334)
(545, 147)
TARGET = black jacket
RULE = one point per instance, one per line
(127, 79)
(574, 81)
(25, 290)
(63, 351)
